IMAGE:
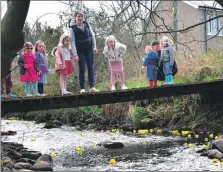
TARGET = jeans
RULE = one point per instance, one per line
(167, 69)
(86, 57)
(152, 72)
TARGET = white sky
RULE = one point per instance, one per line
(38, 8)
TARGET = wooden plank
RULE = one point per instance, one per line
(79, 100)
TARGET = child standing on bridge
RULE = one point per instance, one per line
(8, 86)
(151, 62)
(167, 57)
(115, 51)
(41, 59)
(65, 61)
(28, 69)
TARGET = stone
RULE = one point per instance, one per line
(50, 126)
(46, 158)
(57, 122)
(25, 160)
(204, 152)
(6, 169)
(22, 165)
(215, 154)
(217, 144)
(14, 154)
(7, 162)
(113, 145)
(91, 126)
(83, 126)
(34, 155)
(41, 166)
(126, 127)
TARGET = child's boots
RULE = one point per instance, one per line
(155, 83)
(166, 80)
(150, 84)
(10, 96)
(170, 79)
(2, 96)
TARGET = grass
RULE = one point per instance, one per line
(144, 83)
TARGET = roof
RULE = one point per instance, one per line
(198, 4)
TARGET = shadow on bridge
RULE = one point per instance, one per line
(214, 88)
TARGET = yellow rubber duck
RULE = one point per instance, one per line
(211, 136)
(204, 147)
(214, 160)
(196, 136)
(216, 137)
(112, 161)
(53, 155)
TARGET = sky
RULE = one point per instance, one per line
(39, 8)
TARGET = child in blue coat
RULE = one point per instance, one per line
(151, 62)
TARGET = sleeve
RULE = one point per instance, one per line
(21, 62)
(122, 49)
(73, 44)
(171, 53)
(37, 61)
(161, 55)
(105, 52)
(146, 61)
(93, 36)
(58, 57)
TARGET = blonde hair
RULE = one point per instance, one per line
(110, 38)
(62, 38)
(117, 44)
(37, 44)
(78, 12)
(148, 48)
(166, 38)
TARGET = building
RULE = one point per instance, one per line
(196, 40)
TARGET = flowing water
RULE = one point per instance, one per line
(148, 152)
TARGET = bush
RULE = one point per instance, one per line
(138, 115)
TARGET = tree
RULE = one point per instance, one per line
(12, 38)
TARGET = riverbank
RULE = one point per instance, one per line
(140, 152)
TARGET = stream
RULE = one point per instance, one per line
(146, 152)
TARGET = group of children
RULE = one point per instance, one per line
(162, 52)
(33, 63)
(158, 52)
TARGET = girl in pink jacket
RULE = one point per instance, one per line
(65, 61)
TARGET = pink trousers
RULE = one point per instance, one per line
(116, 68)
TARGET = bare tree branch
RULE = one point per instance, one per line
(182, 30)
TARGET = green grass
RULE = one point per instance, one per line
(144, 83)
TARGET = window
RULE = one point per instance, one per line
(220, 26)
(214, 26)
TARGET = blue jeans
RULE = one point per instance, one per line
(167, 69)
(86, 57)
(152, 72)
